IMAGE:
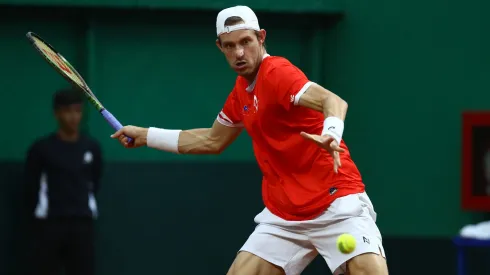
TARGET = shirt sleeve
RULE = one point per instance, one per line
(231, 114)
(97, 167)
(289, 83)
(32, 174)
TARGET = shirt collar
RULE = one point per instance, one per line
(251, 87)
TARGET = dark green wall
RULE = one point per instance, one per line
(26, 82)
(317, 6)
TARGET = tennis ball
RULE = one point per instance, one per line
(346, 243)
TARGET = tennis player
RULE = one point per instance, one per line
(311, 188)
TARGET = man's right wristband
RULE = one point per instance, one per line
(163, 139)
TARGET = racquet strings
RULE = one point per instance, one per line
(63, 66)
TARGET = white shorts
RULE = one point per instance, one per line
(292, 245)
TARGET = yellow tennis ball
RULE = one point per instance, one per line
(346, 243)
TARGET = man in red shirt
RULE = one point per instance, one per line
(311, 188)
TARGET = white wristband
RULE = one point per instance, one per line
(163, 139)
(334, 127)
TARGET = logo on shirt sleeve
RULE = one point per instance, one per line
(292, 98)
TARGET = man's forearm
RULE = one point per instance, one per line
(194, 141)
(334, 106)
(197, 141)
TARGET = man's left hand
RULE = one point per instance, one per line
(328, 143)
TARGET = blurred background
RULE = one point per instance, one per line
(408, 69)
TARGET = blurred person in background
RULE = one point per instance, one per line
(62, 176)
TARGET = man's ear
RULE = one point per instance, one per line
(262, 36)
(218, 44)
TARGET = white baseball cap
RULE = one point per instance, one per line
(249, 18)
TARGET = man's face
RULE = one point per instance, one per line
(243, 50)
(69, 117)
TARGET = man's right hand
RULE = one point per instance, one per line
(138, 134)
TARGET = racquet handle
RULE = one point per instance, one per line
(113, 122)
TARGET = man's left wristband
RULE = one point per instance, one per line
(163, 139)
(334, 127)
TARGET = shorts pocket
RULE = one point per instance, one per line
(345, 207)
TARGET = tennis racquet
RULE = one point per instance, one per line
(69, 73)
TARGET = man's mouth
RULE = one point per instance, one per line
(240, 64)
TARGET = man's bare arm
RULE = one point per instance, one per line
(208, 140)
(196, 141)
(320, 99)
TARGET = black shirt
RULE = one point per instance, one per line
(63, 177)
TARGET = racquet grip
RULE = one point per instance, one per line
(113, 122)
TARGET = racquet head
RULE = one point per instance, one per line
(63, 67)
